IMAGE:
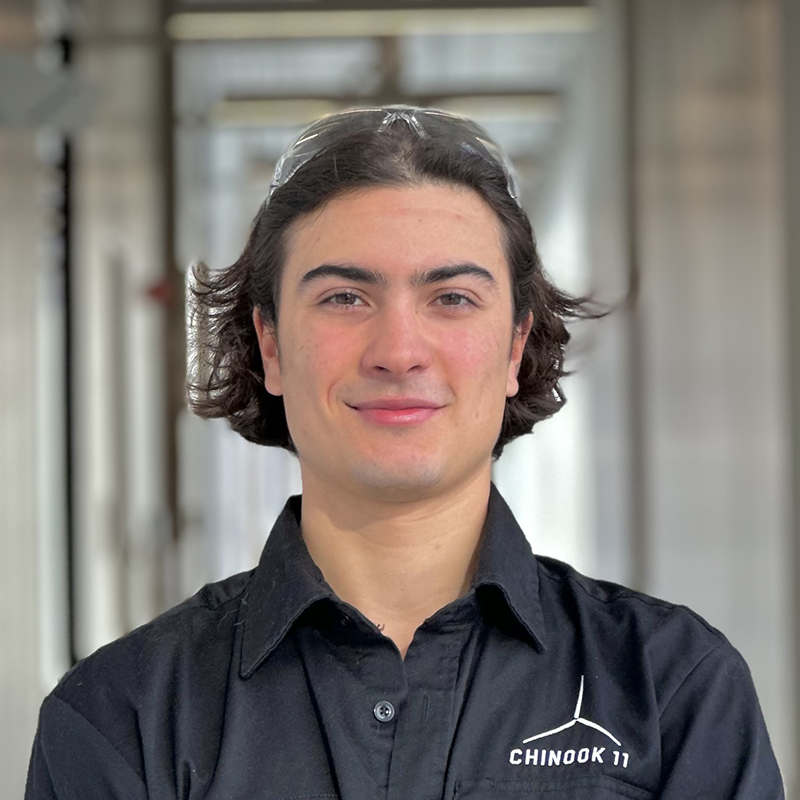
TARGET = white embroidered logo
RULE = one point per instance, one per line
(577, 718)
(555, 758)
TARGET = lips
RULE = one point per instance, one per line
(395, 403)
(396, 410)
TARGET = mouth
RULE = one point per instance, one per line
(396, 411)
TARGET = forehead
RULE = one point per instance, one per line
(396, 228)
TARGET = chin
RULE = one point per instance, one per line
(397, 481)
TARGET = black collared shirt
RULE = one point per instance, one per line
(537, 683)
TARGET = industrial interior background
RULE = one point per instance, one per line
(658, 143)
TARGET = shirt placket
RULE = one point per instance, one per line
(388, 722)
(436, 665)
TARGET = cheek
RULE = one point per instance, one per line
(306, 372)
(316, 362)
(479, 362)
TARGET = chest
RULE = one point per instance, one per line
(466, 715)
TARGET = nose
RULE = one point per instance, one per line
(398, 342)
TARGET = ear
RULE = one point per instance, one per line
(517, 349)
(270, 358)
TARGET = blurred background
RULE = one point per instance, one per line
(658, 143)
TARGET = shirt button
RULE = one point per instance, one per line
(383, 711)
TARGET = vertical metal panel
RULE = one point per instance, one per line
(20, 225)
(633, 311)
(615, 432)
(713, 311)
(122, 220)
(790, 25)
(53, 439)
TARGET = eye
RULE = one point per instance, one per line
(455, 300)
(343, 299)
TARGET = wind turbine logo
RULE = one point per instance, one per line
(576, 719)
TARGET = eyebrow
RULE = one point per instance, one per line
(350, 272)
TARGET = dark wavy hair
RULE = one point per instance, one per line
(226, 377)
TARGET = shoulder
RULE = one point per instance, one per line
(181, 632)
(666, 640)
(115, 710)
(123, 686)
(617, 607)
(679, 694)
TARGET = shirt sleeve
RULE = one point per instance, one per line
(715, 744)
(72, 760)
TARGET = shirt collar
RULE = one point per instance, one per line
(287, 581)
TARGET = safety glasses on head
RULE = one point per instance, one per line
(425, 122)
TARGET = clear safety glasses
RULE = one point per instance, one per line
(425, 122)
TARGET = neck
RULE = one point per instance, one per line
(397, 563)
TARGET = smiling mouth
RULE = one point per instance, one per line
(403, 416)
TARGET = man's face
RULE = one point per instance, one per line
(394, 345)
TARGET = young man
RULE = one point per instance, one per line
(390, 323)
